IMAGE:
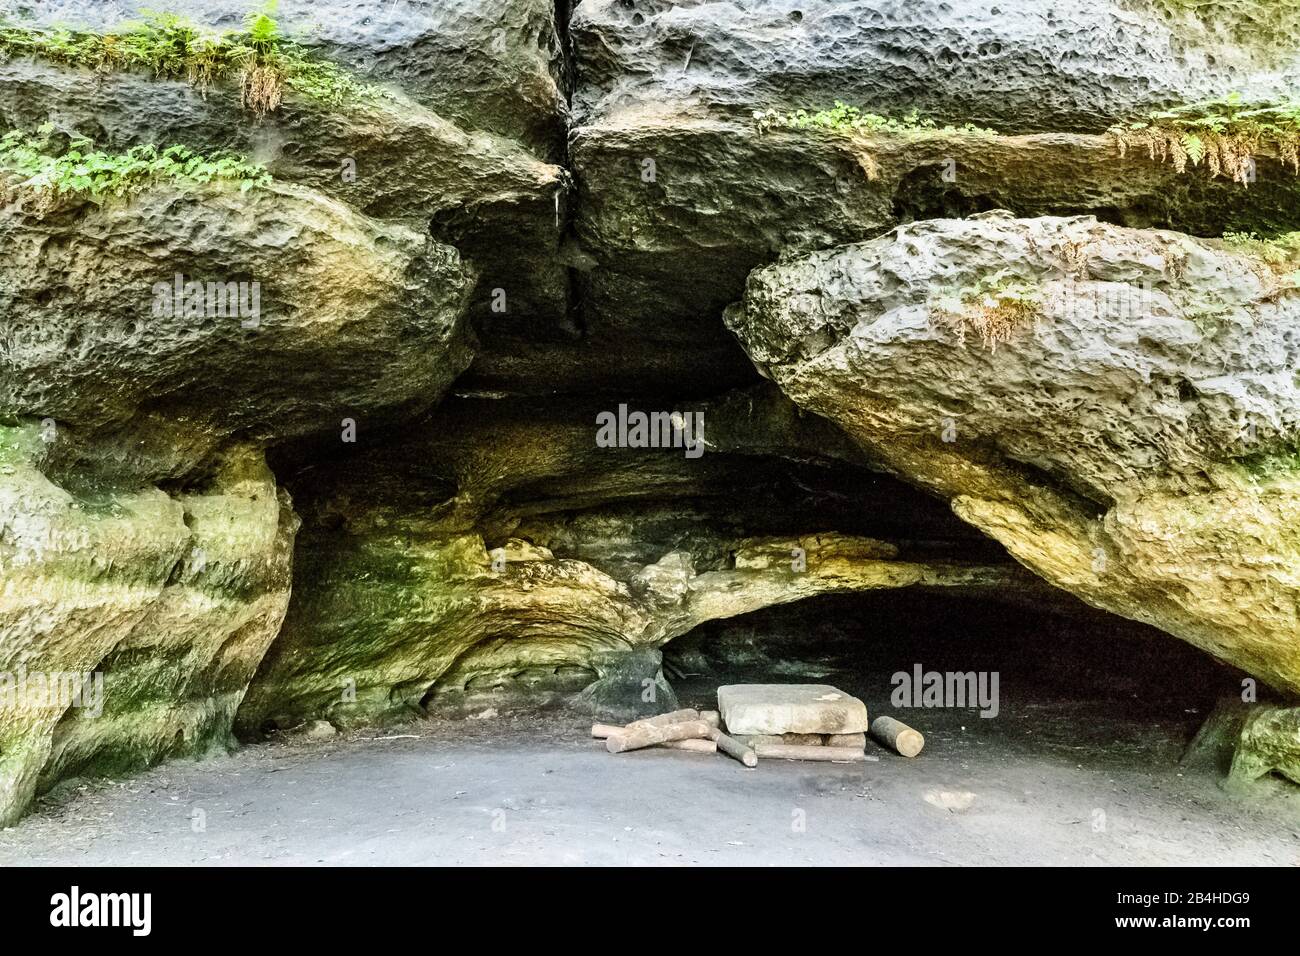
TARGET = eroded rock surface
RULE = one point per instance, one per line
(675, 178)
(1269, 743)
(490, 65)
(351, 317)
(1126, 433)
(1034, 65)
(463, 565)
(131, 619)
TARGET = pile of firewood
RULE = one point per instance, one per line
(700, 731)
(687, 729)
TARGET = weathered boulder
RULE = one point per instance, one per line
(726, 198)
(1117, 407)
(629, 685)
(1246, 740)
(1269, 743)
(384, 155)
(491, 65)
(681, 195)
(405, 134)
(1032, 65)
(131, 619)
(339, 316)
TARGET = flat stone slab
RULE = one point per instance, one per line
(790, 709)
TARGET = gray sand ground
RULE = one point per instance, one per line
(537, 790)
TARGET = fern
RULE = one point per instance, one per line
(259, 58)
(32, 167)
(1222, 134)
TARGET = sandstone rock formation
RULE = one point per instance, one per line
(160, 606)
(1269, 743)
(1058, 68)
(498, 554)
(493, 66)
(479, 225)
(105, 333)
(1125, 423)
(675, 178)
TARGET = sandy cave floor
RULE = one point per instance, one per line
(537, 790)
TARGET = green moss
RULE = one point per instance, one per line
(20, 445)
(34, 164)
(857, 127)
(1271, 464)
(849, 120)
(260, 58)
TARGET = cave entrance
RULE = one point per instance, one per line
(983, 675)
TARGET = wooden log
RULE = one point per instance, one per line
(605, 731)
(897, 736)
(809, 752)
(805, 740)
(635, 737)
(672, 717)
(856, 741)
(691, 744)
(712, 718)
(734, 748)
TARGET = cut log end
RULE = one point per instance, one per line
(733, 748)
(897, 736)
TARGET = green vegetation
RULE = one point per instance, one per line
(1280, 255)
(34, 165)
(995, 306)
(842, 118)
(1279, 462)
(260, 58)
(1277, 250)
(1224, 134)
(849, 121)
